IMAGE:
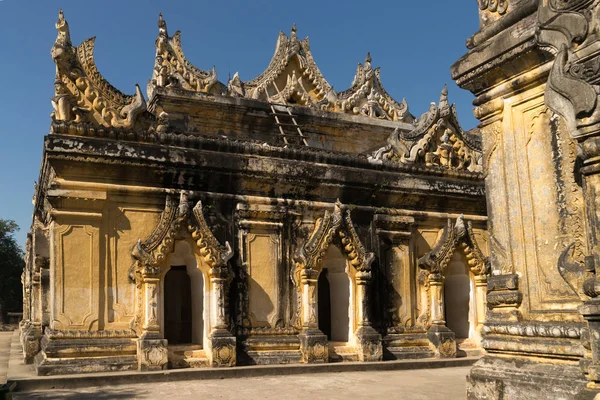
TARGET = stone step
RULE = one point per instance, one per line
(342, 352)
(78, 365)
(405, 340)
(268, 357)
(187, 356)
(407, 353)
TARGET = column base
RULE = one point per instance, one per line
(442, 341)
(368, 344)
(152, 352)
(313, 346)
(222, 349)
(497, 378)
(31, 335)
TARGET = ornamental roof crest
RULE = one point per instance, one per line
(81, 92)
(292, 77)
(436, 141)
(367, 97)
(172, 68)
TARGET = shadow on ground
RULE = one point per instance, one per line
(66, 394)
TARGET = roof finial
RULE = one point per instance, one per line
(444, 97)
(368, 57)
(62, 26)
(294, 28)
(162, 26)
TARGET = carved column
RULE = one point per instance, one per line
(481, 300)
(313, 342)
(152, 349)
(442, 339)
(222, 343)
(590, 310)
(31, 328)
(368, 346)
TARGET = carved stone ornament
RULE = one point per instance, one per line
(150, 254)
(568, 92)
(436, 141)
(337, 226)
(495, 6)
(450, 238)
(172, 68)
(82, 95)
(293, 77)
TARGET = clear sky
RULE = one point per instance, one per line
(414, 43)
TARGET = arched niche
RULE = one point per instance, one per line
(335, 273)
(183, 238)
(335, 235)
(183, 256)
(456, 276)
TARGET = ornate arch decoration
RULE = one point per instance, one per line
(172, 68)
(82, 95)
(150, 254)
(310, 255)
(450, 238)
(338, 227)
(437, 141)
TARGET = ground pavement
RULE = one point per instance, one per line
(421, 384)
(5, 340)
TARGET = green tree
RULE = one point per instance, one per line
(12, 264)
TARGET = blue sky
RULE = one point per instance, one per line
(414, 43)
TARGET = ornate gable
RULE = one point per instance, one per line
(82, 95)
(367, 97)
(172, 68)
(292, 77)
(436, 141)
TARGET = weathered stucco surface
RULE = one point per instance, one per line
(533, 69)
(258, 198)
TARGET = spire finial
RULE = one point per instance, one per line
(294, 28)
(62, 26)
(368, 57)
(444, 97)
(162, 26)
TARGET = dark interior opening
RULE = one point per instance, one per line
(324, 301)
(178, 306)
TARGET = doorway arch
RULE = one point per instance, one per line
(458, 295)
(183, 263)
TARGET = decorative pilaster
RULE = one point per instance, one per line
(313, 343)
(368, 340)
(442, 340)
(152, 349)
(221, 343)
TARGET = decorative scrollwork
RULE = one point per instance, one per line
(436, 141)
(449, 239)
(81, 92)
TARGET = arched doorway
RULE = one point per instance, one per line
(338, 281)
(178, 306)
(457, 296)
(184, 270)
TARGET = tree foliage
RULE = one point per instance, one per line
(12, 264)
